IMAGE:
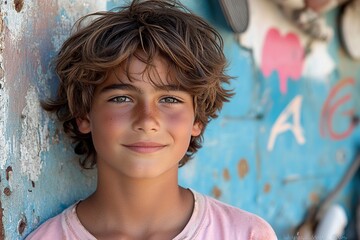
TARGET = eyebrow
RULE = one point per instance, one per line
(124, 86)
(119, 87)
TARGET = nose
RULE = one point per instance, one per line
(146, 118)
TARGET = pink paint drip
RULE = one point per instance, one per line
(283, 54)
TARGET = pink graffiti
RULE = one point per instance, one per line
(330, 107)
(283, 54)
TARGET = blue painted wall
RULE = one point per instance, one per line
(40, 175)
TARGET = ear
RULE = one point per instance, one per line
(197, 128)
(83, 124)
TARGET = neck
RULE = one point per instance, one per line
(141, 197)
(129, 204)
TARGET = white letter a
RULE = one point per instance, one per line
(281, 125)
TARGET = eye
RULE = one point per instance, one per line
(170, 100)
(120, 99)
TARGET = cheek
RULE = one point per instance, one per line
(180, 119)
(106, 128)
(108, 121)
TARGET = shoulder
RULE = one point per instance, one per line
(52, 228)
(66, 225)
(245, 224)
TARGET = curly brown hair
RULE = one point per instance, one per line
(103, 41)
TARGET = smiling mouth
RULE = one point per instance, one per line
(145, 147)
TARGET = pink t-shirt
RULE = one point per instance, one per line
(211, 219)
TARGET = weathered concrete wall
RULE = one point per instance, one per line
(279, 146)
(39, 175)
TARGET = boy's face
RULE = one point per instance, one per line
(138, 129)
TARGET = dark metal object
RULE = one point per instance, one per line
(307, 228)
(236, 13)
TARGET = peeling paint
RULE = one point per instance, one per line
(2, 73)
(226, 174)
(7, 191)
(71, 11)
(1, 222)
(216, 192)
(18, 4)
(22, 225)
(8, 173)
(4, 102)
(243, 168)
(4, 143)
(16, 21)
(267, 188)
(9, 176)
(72, 7)
(34, 137)
(291, 178)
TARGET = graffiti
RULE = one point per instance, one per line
(282, 125)
(331, 106)
(283, 54)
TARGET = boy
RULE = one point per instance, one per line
(137, 89)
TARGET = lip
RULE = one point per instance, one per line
(145, 147)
